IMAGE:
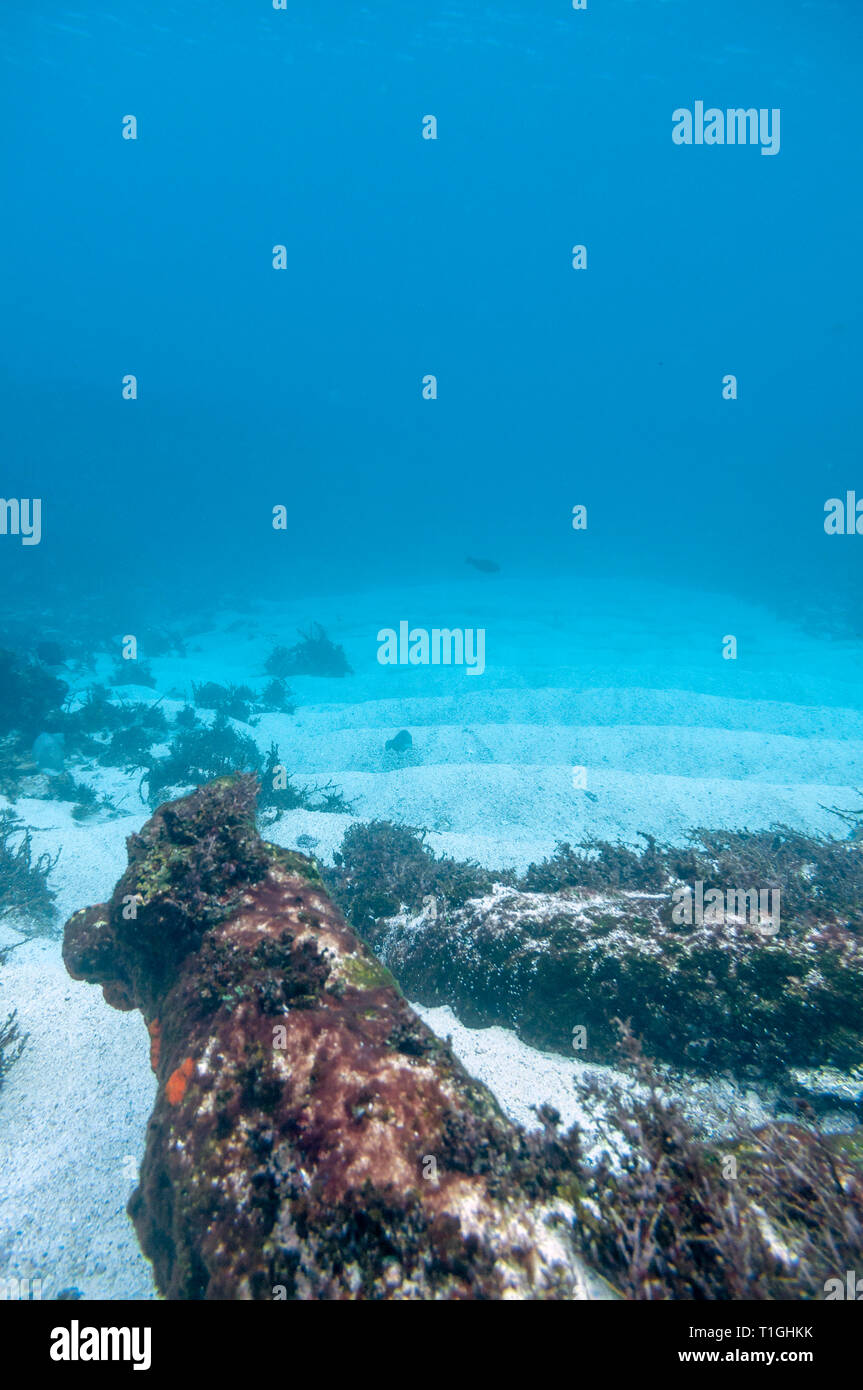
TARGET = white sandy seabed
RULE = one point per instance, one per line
(671, 736)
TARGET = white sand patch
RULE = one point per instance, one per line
(522, 1078)
(74, 1108)
(73, 1113)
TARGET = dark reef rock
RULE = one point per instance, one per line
(591, 934)
(400, 743)
(311, 1139)
(705, 996)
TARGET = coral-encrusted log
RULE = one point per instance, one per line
(707, 995)
(311, 1138)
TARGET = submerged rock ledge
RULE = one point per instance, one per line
(707, 997)
(311, 1138)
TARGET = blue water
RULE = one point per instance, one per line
(409, 256)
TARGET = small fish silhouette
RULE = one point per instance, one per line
(487, 566)
(400, 743)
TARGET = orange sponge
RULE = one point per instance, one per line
(177, 1081)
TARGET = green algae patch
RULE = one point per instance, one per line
(366, 972)
(290, 861)
(849, 1146)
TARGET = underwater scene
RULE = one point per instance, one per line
(431, 715)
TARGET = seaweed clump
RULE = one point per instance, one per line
(664, 1215)
(280, 793)
(87, 801)
(24, 889)
(314, 655)
(276, 697)
(160, 642)
(50, 653)
(200, 755)
(600, 864)
(12, 1041)
(233, 701)
(31, 702)
(129, 747)
(241, 702)
(820, 876)
(97, 714)
(30, 698)
(115, 734)
(132, 673)
(382, 867)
